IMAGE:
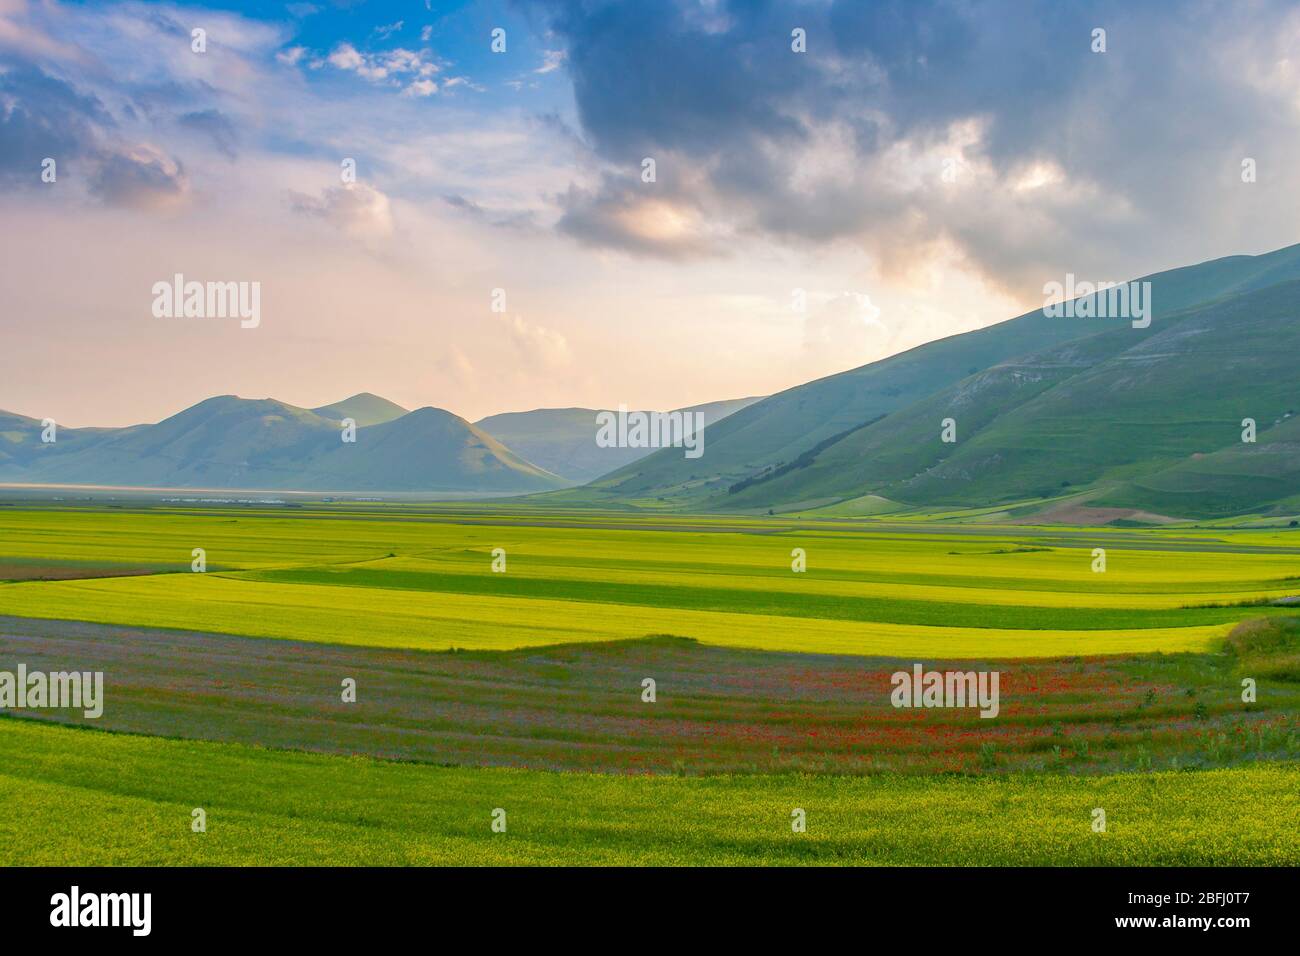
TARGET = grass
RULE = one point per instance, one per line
(748, 597)
(521, 690)
(411, 577)
(1267, 649)
(105, 799)
(717, 710)
(395, 618)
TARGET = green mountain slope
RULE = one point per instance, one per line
(1236, 479)
(1103, 410)
(1180, 392)
(563, 440)
(878, 427)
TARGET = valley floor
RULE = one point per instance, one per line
(521, 690)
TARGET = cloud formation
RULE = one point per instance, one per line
(358, 210)
(410, 70)
(1057, 150)
(944, 157)
(45, 118)
(216, 126)
(536, 345)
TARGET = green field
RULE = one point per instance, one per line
(522, 689)
(103, 799)
(416, 579)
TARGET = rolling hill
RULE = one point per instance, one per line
(231, 442)
(563, 440)
(364, 409)
(21, 446)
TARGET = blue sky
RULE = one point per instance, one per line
(922, 168)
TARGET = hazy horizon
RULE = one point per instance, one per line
(343, 398)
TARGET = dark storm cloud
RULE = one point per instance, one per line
(645, 76)
(44, 116)
(608, 217)
(41, 116)
(1144, 137)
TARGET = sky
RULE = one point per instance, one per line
(918, 169)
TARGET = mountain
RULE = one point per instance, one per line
(1098, 412)
(364, 409)
(563, 440)
(231, 442)
(21, 445)
(427, 449)
(1233, 480)
(1048, 413)
(1043, 406)
(18, 436)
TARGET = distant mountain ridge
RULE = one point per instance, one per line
(232, 442)
(563, 440)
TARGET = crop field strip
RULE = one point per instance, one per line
(785, 599)
(396, 618)
(578, 707)
(117, 799)
(428, 584)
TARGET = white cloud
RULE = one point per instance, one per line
(551, 60)
(381, 66)
(421, 88)
(358, 210)
(346, 57)
(452, 82)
